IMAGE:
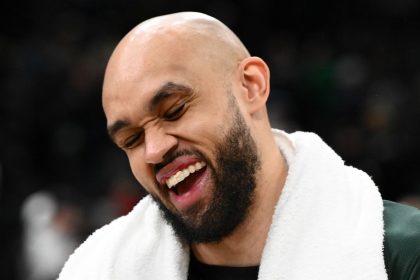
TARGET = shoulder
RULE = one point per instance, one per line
(401, 241)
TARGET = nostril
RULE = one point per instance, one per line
(158, 144)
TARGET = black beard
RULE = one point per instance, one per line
(234, 184)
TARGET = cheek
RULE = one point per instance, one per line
(201, 125)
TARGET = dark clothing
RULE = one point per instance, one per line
(401, 250)
(402, 241)
(201, 271)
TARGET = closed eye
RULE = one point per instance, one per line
(133, 140)
(175, 112)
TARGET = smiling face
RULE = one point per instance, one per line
(169, 99)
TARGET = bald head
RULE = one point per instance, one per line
(199, 26)
(182, 37)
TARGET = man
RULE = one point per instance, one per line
(230, 198)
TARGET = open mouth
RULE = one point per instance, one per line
(185, 179)
(184, 175)
(187, 183)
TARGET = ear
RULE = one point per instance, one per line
(255, 78)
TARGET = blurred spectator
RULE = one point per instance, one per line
(49, 235)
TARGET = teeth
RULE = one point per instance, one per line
(182, 174)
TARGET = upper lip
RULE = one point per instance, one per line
(174, 166)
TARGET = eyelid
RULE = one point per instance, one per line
(133, 140)
(175, 111)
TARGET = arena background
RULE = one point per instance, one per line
(347, 70)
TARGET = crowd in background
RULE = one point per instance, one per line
(349, 71)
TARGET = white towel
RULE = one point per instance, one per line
(327, 225)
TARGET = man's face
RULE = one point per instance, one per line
(185, 137)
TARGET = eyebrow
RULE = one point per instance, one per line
(164, 92)
(115, 127)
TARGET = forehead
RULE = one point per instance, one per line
(139, 67)
(139, 57)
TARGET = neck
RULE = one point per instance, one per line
(244, 246)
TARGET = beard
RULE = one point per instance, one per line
(234, 182)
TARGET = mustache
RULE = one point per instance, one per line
(173, 155)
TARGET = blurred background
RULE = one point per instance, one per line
(347, 70)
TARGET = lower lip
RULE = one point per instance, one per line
(194, 193)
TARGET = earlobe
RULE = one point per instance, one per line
(255, 77)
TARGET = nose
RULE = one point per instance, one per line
(157, 144)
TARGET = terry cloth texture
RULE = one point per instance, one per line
(327, 225)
